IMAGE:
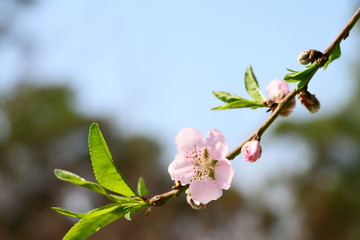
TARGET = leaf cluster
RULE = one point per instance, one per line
(303, 77)
(126, 201)
(235, 101)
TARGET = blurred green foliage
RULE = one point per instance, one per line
(44, 132)
(328, 192)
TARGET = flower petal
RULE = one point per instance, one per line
(204, 191)
(216, 144)
(224, 174)
(187, 138)
(181, 169)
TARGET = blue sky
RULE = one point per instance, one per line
(152, 65)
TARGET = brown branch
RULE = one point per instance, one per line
(344, 33)
(161, 199)
(258, 133)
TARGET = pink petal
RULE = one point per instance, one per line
(216, 144)
(224, 174)
(187, 138)
(181, 169)
(277, 89)
(204, 191)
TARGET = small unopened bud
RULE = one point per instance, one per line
(309, 101)
(304, 57)
(277, 90)
(251, 151)
(309, 56)
(288, 109)
(192, 203)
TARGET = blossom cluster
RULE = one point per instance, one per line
(201, 161)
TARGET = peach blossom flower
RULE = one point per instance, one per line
(201, 163)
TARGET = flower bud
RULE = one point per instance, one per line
(309, 101)
(304, 57)
(309, 56)
(288, 109)
(251, 151)
(277, 90)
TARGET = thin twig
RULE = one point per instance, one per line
(160, 199)
(258, 133)
(344, 33)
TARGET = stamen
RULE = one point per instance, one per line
(203, 165)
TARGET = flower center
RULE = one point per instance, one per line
(203, 164)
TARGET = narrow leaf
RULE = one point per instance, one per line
(106, 173)
(307, 78)
(127, 216)
(297, 76)
(91, 224)
(226, 97)
(141, 188)
(92, 213)
(334, 55)
(75, 179)
(98, 218)
(293, 71)
(68, 213)
(252, 86)
(243, 103)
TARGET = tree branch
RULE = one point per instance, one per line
(161, 199)
(258, 133)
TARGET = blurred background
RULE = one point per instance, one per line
(146, 69)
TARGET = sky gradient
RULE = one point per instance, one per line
(152, 65)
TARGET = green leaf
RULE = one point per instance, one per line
(106, 173)
(307, 78)
(92, 223)
(305, 75)
(241, 103)
(98, 218)
(334, 55)
(92, 213)
(141, 187)
(75, 179)
(252, 86)
(68, 213)
(127, 216)
(226, 97)
(293, 71)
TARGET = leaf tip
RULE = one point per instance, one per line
(94, 125)
(58, 173)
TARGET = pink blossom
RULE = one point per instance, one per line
(201, 163)
(277, 90)
(251, 151)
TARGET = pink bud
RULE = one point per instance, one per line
(251, 151)
(277, 90)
